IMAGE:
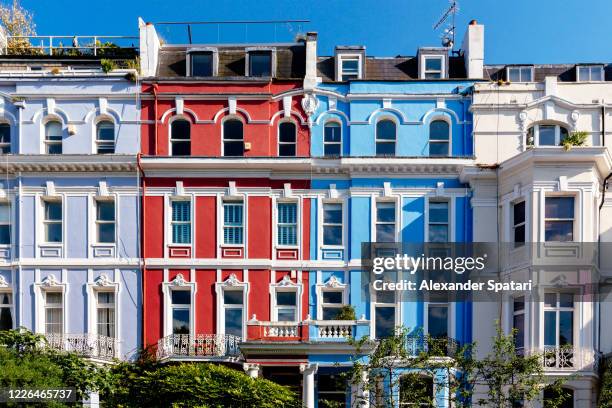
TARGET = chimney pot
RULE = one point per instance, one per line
(473, 22)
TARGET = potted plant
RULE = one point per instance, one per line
(346, 312)
(576, 138)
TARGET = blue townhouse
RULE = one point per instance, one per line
(69, 204)
(390, 138)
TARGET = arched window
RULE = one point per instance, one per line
(105, 137)
(53, 137)
(439, 138)
(332, 139)
(287, 139)
(180, 138)
(5, 138)
(385, 138)
(233, 138)
(546, 135)
(563, 398)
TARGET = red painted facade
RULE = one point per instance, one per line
(205, 263)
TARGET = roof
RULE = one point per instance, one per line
(564, 72)
(400, 68)
(290, 61)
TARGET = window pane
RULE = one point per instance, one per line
(332, 213)
(385, 212)
(385, 148)
(5, 212)
(106, 233)
(563, 134)
(385, 129)
(437, 321)
(583, 73)
(438, 212)
(180, 321)
(181, 211)
(233, 138)
(106, 297)
(5, 133)
(559, 231)
(6, 318)
(519, 234)
(385, 322)
(559, 207)
(181, 136)
(106, 211)
(385, 233)
(331, 150)
(181, 297)
(350, 66)
(233, 322)
(286, 132)
(566, 300)
(550, 299)
(106, 322)
(202, 64)
(438, 148)
(439, 130)
(286, 298)
(106, 131)
(54, 298)
(332, 297)
(519, 212)
(596, 74)
(526, 75)
(519, 324)
(332, 132)
(54, 232)
(550, 328)
(181, 148)
(438, 233)
(286, 150)
(260, 63)
(53, 131)
(433, 64)
(232, 297)
(566, 328)
(514, 75)
(332, 235)
(286, 315)
(330, 313)
(547, 135)
(53, 210)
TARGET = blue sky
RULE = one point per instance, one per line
(516, 31)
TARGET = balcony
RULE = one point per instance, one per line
(87, 345)
(568, 358)
(199, 346)
(434, 346)
(337, 330)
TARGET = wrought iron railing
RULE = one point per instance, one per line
(198, 345)
(85, 344)
(568, 357)
(433, 346)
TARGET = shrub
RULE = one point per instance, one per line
(346, 312)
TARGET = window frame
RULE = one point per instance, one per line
(233, 202)
(590, 68)
(295, 308)
(172, 140)
(520, 69)
(180, 306)
(279, 142)
(7, 223)
(48, 142)
(231, 284)
(105, 306)
(326, 143)
(328, 224)
(377, 222)
(521, 312)
(213, 62)
(448, 223)
(5, 147)
(447, 142)
(434, 304)
(557, 309)
(99, 223)
(514, 225)
(47, 306)
(425, 72)
(535, 133)
(376, 303)
(325, 305)
(46, 222)
(177, 199)
(573, 219)
(377, 140)
(241, 306)
(280, 224)
(248, 62)
(342, 57)
(103, 143)
(11, 305)
(224, 140)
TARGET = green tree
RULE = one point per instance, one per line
(605, 393)
(17, 21)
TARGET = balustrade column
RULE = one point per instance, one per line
(252, 370)
(308, 384)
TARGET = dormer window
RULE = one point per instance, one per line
(260, 63)
(350, 67)
(434, 67)
(201, 63)
(590, 73)
(520, 74)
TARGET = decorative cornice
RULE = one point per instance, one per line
(68, 163)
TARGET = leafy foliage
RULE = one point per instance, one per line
(17, 21)
(577, 138)
(605, 393)
(346, 312)
(108, 65)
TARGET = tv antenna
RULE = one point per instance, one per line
(448, 35)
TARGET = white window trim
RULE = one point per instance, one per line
(521, 67)
(322, 203)
(232, 283)
(576, 313)
(374, 303)
(423, 64)
(225, 119)
(97, 223)
(49, 284)
(576, 236)
(536, 134)
(278, 142)
(590, 68)
(513, 225)
(386, 141)
(169, 201)
(286, 285)
(450, 315)
(298, 203)
(236, 200)
(450, 133)
(170, 140)
(102, 284)
(332, 284)
(333, 143)
(44, 122)
(215, 58)
(247, 62)
(374, 203)
(349, 56)
(6, 288)
(43, 222)
(451, 215)
(95, 141)
(178, 283)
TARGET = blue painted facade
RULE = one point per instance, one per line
(365, 180)
(79, 266)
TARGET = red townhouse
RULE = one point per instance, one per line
(226, 213)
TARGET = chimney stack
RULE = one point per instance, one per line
(473, 50)
(310, 77)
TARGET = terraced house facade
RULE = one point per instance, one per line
(213, 208)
